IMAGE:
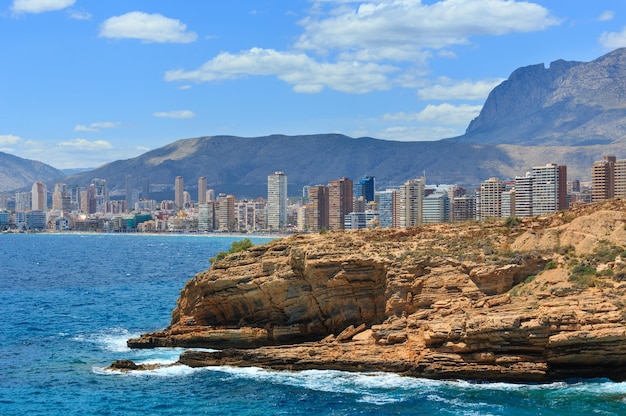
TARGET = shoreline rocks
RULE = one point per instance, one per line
(478, 301)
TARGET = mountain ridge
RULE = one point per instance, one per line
(570, 113)
(17, 173)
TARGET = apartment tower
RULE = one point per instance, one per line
(340, 202)
(179, 187)
(39, 197)
(277, 201)
(201, 189)
(410, 204)
(317, 211)
(491, 198)
(603, 179)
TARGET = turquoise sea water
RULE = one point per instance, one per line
(69, 302)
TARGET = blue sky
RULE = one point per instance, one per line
(85, 82)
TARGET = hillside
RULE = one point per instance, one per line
(566, 104)
(240, 165)
(538, 300)
(17, 173)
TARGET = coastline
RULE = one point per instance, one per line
(471, 301)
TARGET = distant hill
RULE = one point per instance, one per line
(566, 104)
(240, 165)
(16, 173)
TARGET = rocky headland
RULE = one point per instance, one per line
(518, 300)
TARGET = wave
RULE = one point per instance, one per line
(167, 370)
(112, 339)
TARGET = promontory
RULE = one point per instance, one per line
(532, 299)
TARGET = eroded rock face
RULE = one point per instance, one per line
(448, 301)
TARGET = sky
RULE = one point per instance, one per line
(86, 82)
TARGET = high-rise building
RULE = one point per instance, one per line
(508, 203)
(411, 197)
(179, 188)
(277, 201)
(464, 208)
(603, 179)
(384, 200)
(101, 195)
(250, 215)
(88, 203)
(524, 195)
(340, 202)
(201, 189)
(549, 188)
(491, 198)
(23, 201)
(317, 212)
(226, 212)
(365, 189)
(303, 217)
(129, 193)
(206, 216)
(436, 208)
(60, 198)
(145, 188)
(39, 197)
(620, 179)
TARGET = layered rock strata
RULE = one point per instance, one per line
(494, 300)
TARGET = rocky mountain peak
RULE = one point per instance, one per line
(568, 103)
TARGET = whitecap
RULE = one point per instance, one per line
(377, 388)
(165, 371)
(113, 339)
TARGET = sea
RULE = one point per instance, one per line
(69, 302)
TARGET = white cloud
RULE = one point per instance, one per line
(9, 139)
(443, 114)
(372, 46)
(147, 27)
(419, 133)
(401, 29)
(613, 40)
(95, 127)
(181, 114)
(40, 6)
(454, 90)
(69, 154)
(80, 15)
(83, 144)
(606, 16)
(297, 69)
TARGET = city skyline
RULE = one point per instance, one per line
(122, 79)
(338, 205)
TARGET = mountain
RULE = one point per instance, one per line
(16, 173)
(566, 104)
(570, 113)
(240, 165)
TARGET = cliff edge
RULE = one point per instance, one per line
(532, 300)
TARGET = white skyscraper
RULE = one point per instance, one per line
(277, 201)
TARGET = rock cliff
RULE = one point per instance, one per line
(497, 300)
(566, 104)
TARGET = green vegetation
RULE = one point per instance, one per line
(606, 252)
(235, 247)
(512, 222)
(583, 276)
(550, 265)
